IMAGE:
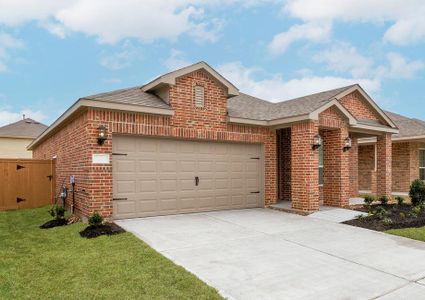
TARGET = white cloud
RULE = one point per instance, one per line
(276, 88)
(121, 59)
(7, 117)
(343, 58)
(7, 43)
(314, 32)
(400, 67)
(111, 21)
(176, 60)
(405, 16)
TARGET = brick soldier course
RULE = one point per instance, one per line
(286, 130)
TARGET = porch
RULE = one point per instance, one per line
(318, 164)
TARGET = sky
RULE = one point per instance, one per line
(54, 52)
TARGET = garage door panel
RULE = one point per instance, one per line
(158, 176)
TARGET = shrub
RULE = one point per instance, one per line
(387, 221)
(416, 211)
(417, 192)
(381, 212)
(369, 199)
(95, 219)
(402, 215)
(58, 212)
(384, 200)
(400, 200)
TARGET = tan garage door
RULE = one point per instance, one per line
(153, 176)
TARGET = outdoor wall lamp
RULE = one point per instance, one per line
(102, 135)
(317, 142)
(348, 144)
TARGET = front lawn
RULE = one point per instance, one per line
(58, 264)
(412, 233)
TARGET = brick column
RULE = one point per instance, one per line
(384, 165)
(304, 167)
(354, 168)
(284, 164)
(270, 166)
(336, 188)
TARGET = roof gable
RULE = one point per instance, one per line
(170, 78)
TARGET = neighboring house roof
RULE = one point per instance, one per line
(26, 128)
(408, 127)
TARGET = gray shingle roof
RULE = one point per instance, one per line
(133, 95)
(407, 127)
(245, 106)
(24, 128)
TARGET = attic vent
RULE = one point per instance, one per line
(199, 96)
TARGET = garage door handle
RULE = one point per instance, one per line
(255, 192)
(196, 180)
(119, 199)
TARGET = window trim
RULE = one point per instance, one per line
(419, 162)
(321, 165)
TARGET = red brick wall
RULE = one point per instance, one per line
(366, 166)
(71, 145)
(401, 167)
(304, 167)
(354, 167)
(358, 107)
(384, 165)
(208, 123)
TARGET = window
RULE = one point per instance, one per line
(199, 96)
(321, 159)
(422, 164)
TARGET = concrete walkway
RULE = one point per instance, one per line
(334, 214)
(266, 254)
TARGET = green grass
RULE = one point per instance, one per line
(412, 233)
(58, 264)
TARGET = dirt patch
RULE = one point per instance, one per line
(54, 223)
(93, 231)
(400, 215)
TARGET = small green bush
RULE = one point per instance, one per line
(417, 192)
(381, 212)
(57, 212)
(387, 221)
(416, 211)
(400, 200)
(402, 215)
(95, 219)
(384, 200)
(369, 199)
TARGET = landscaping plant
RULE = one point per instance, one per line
(96, 219)
(417, 192)
(400, 200)
(368, 200)
(384, 200)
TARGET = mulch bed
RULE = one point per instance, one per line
(94, 231)
(394, 210)
(54, 223)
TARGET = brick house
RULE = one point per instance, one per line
(408, 156)
(189, 141)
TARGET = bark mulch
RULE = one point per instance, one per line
(54, 223)
(94, 231)
(401, 217)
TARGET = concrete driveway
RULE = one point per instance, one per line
(266, 254)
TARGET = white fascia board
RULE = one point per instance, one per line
(315, 114)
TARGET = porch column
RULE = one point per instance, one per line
(336, 188)
(304, 167)
(354, 168)
(384, 165)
